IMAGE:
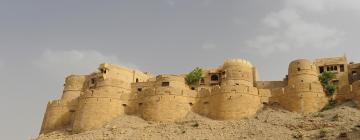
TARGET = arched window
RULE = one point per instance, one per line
(214, 77)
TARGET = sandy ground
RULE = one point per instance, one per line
(270, 123)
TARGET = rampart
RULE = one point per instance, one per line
(230, 92)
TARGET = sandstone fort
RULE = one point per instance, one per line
(231, 91)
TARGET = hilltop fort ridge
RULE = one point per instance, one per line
(230, 92)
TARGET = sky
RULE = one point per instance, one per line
(43, 41)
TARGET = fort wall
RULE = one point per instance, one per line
(107, 97)
(229, 92)
(74, 85)
(58, 115)
(97, 108)
(356, 92)
(270, 84)
(237, 72)
(234, 102)
(304, 88)
(169, 100)
(305, 98)
(265, 95)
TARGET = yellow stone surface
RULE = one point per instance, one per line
(231, 91)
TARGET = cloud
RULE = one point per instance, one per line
(63, 63)
(290, 30)
(324, 5)
(170, 2)
(208, 46)
(238, 21)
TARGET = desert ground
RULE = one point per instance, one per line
(270, 123)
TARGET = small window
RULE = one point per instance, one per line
(342, 69)
(92, 81)
(298, 69)
(302, 80)
(137, 80)
(192, 88)
(140, 104)
(335, 68)
(202, 81)
(165, 84)
(215, 78)
(321, 69)
(103, 71)
(139, 89)
(124, 105)
(328, 68)
(191, 104)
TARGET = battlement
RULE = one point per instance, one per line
(232, 62)
(270, 84)
(58, 103)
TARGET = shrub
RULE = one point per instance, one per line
(325, 79)
(326, 76)
(323, 133)
(330, 105)
(330, 89)
(194, 76)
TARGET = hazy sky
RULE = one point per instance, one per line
(42, 41)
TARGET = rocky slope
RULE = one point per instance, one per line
(272, 123)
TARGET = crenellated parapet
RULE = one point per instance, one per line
(237, 72)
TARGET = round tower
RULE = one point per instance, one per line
(73, 86)
(302, 71)
(237, 72)
(304, 92)
(57, 116)
(104, 100)
(96, 108)
(60, 113)
(168, 101)
(237, 97)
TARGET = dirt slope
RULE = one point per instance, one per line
(272, 123)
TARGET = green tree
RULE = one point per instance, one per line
(329, 88)
(326, 76)
(194, 76)
(325, 79)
